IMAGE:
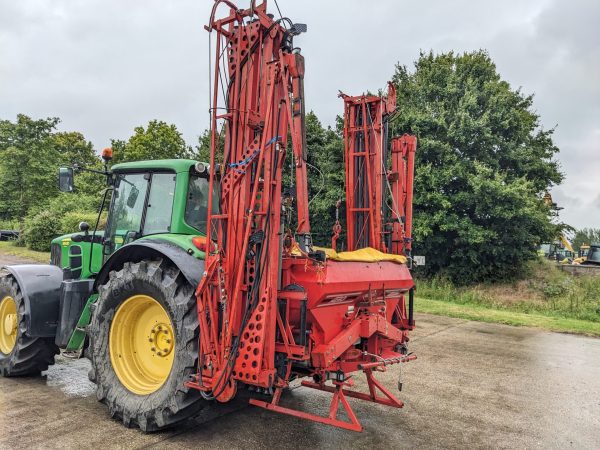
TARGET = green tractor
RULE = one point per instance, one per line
(124, 295)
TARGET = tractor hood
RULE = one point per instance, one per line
(66, 239)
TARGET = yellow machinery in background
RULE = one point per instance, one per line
(582, 254)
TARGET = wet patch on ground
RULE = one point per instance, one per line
(71, 377)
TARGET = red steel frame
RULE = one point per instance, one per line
(401, 179)
(272, 309)
(374, 219)
(365, 145)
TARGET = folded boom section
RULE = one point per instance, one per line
(271, 306)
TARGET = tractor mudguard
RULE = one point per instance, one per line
(40, 286)
(73, 299)
(192, 268)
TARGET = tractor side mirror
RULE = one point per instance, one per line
(84, 227)
(65, 179)
(132, 197)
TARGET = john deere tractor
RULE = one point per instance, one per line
(124, 295)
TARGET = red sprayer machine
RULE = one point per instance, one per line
(273, 307)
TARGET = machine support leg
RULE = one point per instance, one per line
(389, 399)
(338, 396)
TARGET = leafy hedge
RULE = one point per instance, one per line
(65, 203)
(46, 225)
(71, 220)
(40, 229)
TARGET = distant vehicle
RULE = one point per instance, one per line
(582, 254)
(9, 235)
(593, 255)
(556, 251)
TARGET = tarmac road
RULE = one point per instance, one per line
(473, 385)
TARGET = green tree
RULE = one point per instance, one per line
(586, 236)
(158, 140)
(203, 146)
(31, 152)
(28, 162)
(326, 178)
(482, 165)
(73, 149)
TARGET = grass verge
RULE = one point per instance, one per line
(544, 290)
(9, 248)
(482, 314)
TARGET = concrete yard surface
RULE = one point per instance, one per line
(474, 385)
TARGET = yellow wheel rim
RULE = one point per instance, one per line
(142, 344)
(8, 324)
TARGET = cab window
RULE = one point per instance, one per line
(160, 204)
(196, 208)
(135, 212)
(128, 200)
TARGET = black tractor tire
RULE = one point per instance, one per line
(30, 355)
(173, 402)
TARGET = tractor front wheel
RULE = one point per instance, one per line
(20, 354)
(144, 345)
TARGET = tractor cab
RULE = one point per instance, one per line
(159, 199)
(155, 198)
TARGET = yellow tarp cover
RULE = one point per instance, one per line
(363, 255)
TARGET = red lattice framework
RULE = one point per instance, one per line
(378, 199)
(259, 79)
(270, 307)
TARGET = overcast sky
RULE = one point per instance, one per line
(106, 66)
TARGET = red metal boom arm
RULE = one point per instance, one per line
(270, 307)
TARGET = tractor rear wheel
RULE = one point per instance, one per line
(20, 354)
(144, 345)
